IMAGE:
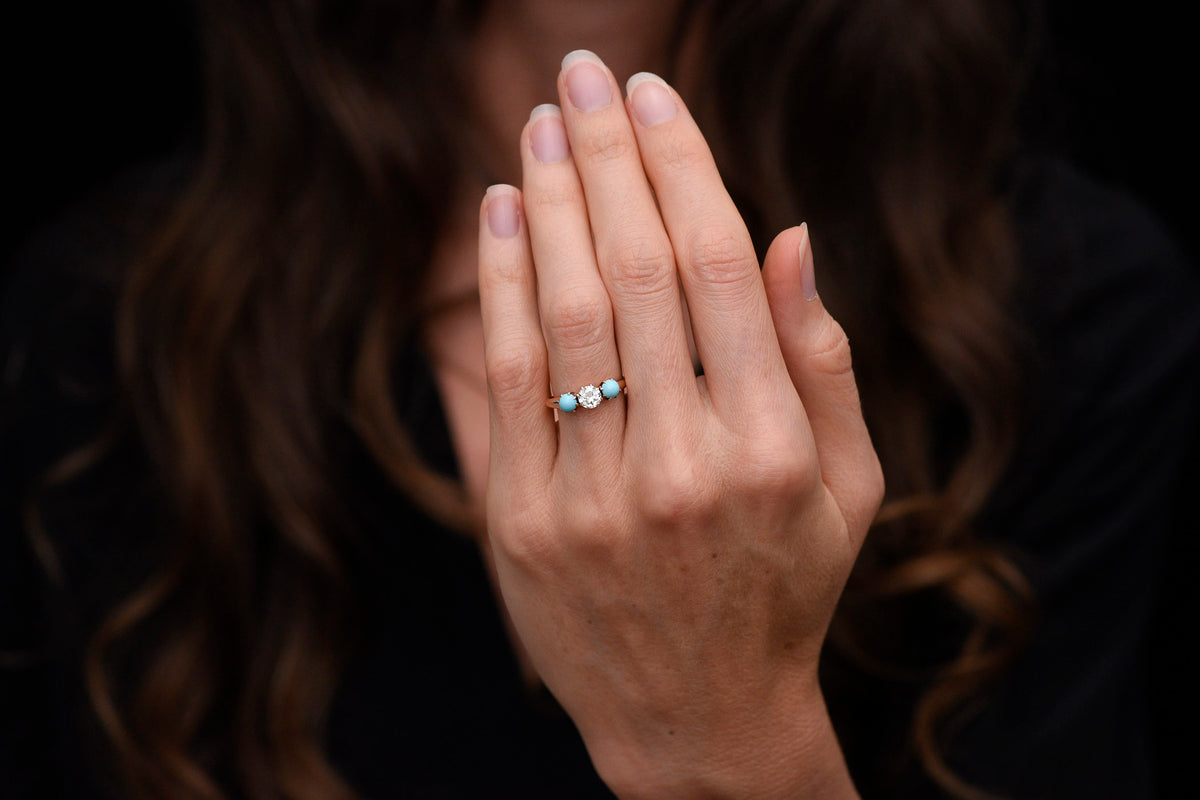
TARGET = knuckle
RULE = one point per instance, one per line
(533, 549)
(512, 365)
(504, 271)
(721, 258)
(674, 493)
(682, 155)
(577, 320)
(588, 536)
(779, 470)
(596, 543)
(830, 354)
(554, 196)
(862, 504)
(640, 266)
(606, 144)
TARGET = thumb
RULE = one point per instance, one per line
(817, 354)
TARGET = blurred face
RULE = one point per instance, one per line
(616, 23)
(630, 35)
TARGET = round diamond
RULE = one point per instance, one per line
(589, 396)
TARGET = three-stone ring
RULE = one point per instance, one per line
(587, 397)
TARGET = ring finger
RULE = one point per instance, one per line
(577, 317)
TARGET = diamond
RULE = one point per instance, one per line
(589, 396)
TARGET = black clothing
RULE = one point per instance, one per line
(432, 705)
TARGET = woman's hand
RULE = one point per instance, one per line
(671, 558)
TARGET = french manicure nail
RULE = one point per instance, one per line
(502, 216)
(547, 136)
(808, 277)
(650, 99)
(587, 80)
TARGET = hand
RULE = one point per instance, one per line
(670, 559)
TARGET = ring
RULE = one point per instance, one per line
(587, 397)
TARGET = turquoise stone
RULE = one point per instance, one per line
(567, 402)
(610, 388)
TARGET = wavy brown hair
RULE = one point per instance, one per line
(263, 324)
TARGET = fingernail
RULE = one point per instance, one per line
(587, 80)
(502, 216)
(548, 137)
(650, 98)
(808, 277)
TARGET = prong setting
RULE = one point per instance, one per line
(589, 396)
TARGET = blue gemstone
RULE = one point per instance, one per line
(567, 402)
(610, 388)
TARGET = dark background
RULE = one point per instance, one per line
(93, 88)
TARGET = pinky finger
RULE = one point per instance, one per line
(523, 439)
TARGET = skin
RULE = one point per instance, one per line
(669, 562)
(671, 559)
